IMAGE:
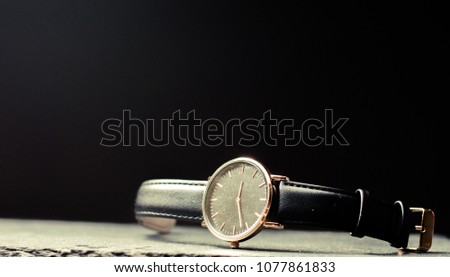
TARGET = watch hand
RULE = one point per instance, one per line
(240, 191)
(238, 201)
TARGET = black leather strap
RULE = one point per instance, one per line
(295, 205)
(178, 199)
(303, 204)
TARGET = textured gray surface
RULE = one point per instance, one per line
(62, 238)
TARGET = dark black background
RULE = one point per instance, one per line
(66, 66)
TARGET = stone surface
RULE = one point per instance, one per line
(63, 238)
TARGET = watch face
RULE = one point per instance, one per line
(237, 199)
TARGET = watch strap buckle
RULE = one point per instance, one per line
(425, 229)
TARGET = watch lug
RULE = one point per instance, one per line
(273, 225)
(204, 224)
(234, 244)
(275, 177)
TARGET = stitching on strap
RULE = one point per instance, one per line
(307, 186)
(174, 183)
(167, 214)
(299, 185)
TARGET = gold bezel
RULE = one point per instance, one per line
(259, 224)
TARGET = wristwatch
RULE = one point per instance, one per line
(241, 198)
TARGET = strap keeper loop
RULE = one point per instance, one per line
(400, 229)
(363, 210)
